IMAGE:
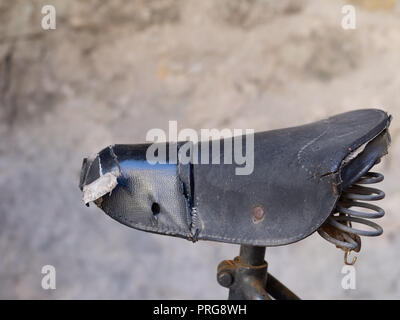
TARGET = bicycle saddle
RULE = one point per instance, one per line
(299, 174)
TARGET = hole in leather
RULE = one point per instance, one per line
(155, 208)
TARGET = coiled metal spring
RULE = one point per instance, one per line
(338, 228)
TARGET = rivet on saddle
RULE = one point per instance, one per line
(305, 178)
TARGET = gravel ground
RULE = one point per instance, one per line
(113, 70)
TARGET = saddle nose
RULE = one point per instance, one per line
(299, 175)
(136, 193)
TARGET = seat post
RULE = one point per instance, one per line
(247, 277)
(252, 255)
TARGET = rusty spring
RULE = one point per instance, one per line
(338, 227)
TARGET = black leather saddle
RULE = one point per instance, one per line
(299, 174)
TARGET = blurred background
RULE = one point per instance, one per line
(114, 69)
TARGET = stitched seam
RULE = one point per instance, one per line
(302, 150)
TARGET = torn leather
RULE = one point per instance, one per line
(298, 176)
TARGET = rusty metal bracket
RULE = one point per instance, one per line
(247, 277)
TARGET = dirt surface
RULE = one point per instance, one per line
(114, 69)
